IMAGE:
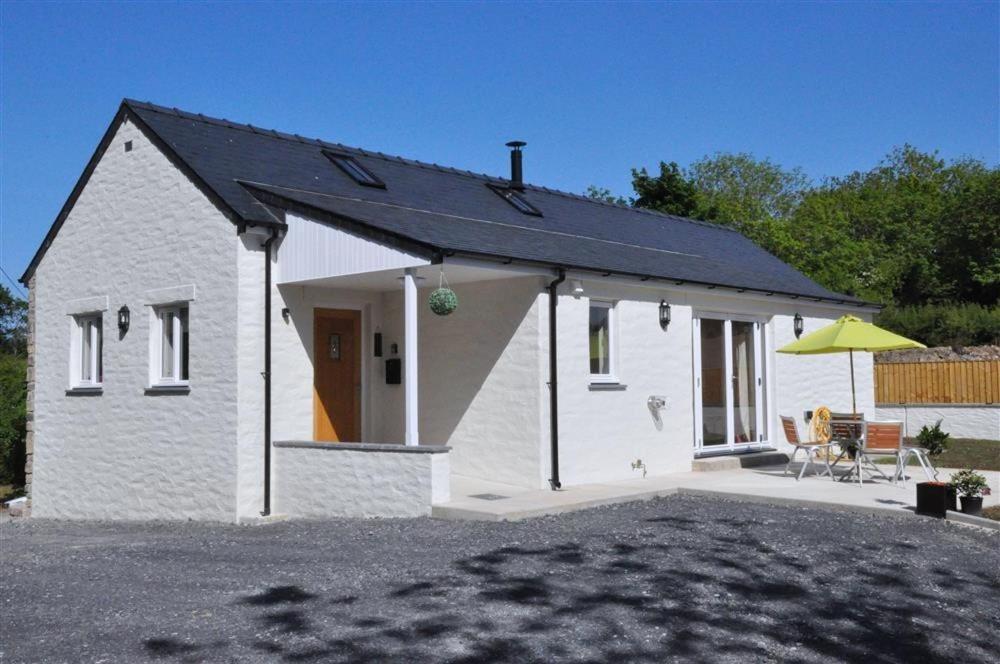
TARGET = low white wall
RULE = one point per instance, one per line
(960, 420)
(316, 480)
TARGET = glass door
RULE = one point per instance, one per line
(730, 386)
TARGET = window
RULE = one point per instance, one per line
(350, 165)
(88, 369)
(601, 334)
(516, 199)
(171, 346)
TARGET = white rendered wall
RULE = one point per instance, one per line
(324, 483)
(805, 382)
(601, 433)
(139, 225)
(960, 420)
(480, 382)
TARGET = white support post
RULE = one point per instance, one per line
(410, 355)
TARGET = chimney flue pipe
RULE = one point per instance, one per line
(516, 176)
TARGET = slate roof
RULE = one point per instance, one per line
(445, 210)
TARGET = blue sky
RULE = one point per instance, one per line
(594, 88)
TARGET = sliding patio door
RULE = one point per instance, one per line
(730, 385)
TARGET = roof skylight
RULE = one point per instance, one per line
(515, 198)
(355, 170)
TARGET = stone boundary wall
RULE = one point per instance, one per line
(960, 420)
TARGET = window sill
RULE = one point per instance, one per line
(607, 386)
(178, 388)
(85, 391)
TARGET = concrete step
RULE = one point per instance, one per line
(710, 464)
(737, 461)
(758, 459)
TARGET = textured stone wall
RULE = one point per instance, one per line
(319, 482)
(29, 437)
(481, 385)
(139, 225)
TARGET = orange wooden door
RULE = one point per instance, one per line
(337, 375)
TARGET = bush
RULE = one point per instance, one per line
(933, 439)
(944, 325)
(13, 392)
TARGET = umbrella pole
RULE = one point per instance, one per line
(854, 405)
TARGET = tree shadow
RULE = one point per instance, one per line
(699, 591)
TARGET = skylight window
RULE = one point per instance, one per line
(515, 198)
(358, 173)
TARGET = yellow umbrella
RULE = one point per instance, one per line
(849, 334)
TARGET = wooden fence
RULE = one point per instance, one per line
(937, 382)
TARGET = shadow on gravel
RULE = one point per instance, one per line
(720, 592)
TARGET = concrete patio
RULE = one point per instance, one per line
(486, 501)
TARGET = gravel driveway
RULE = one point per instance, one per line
(682, 578)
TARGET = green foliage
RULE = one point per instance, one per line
(13, 323)
(13, 386)
(670, 192)
(933, 439)
(13, 393)
(443, 301)
(602, 194)
(915, 232)
(944, 325)
(970, 483)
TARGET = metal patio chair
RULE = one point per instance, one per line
(922, 455)
(810, 447)
(879, 439)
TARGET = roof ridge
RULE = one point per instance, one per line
(490, 179)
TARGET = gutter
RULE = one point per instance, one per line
(554, 380)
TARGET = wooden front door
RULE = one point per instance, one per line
(337, 375)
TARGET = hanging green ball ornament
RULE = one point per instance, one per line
(443, 301)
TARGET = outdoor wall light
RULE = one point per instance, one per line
(577, 287)
(377, 343)
(286, 314)
(664, 315)
(798, 325)
(123, 319)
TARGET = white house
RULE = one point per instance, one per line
(228, 321)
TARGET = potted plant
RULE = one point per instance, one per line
(971, 487)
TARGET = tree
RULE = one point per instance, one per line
(970, 237)
(670, 192)
(13, 323)
(605, 195)
(13, 387)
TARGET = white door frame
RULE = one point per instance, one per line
(761, 380)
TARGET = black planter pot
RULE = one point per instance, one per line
(972, 505)
(935, 499)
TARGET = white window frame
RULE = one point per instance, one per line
(612, 375)
(158, 314)
(82, 324)
(764, 386)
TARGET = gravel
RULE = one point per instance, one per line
(677, 579)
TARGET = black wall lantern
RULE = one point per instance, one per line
(798, 325)
(664, 315)
(123, 318)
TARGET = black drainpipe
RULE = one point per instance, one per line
(267, 373)
(554, 381)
